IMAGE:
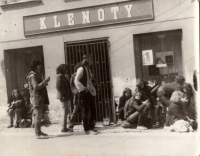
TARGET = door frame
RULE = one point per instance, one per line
(109, 63)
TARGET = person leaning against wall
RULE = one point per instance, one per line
(15, 108)
(63, 93)
(38, 95)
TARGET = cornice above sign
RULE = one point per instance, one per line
(88, 17)
(13, 2)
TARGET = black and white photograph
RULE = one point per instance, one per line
(99, 78)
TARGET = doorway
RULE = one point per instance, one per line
(17, 62)
(99, 50)
(158, 56)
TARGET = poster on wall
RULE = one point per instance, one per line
(164, 58)
(147, 57)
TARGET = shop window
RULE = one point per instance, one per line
(159, 55)
(10, 2)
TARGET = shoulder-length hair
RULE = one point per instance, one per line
(13, 92)
(187, 89)
(176, 96)
(61, 69)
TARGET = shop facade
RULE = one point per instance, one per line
(148, 39)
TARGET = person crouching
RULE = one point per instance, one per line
(136, 111)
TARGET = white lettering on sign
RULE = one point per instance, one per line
(86, 17)
(114, 10)
(128, 8)
(101, 15)
(70, 19)
(56, 23)
(42, 23)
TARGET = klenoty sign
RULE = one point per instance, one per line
(88, 17)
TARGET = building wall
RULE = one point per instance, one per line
(168, 15)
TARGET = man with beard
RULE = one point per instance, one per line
(86, 94)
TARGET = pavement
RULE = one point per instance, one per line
(112, 140)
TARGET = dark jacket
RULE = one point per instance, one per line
(176, 112)
(37, 89)
(168, 88)
(63, 87)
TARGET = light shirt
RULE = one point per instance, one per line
(80, 87)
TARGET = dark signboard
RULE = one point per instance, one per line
(88, 17)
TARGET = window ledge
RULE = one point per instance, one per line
(20, 2)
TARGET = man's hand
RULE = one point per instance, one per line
(47, 79)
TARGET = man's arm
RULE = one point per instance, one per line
(35, 84)
(77, 82)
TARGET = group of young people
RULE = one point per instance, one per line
(79, 89)
(139, 109)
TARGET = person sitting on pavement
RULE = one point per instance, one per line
(63, 93)
(127, 93)
(190, 102)
(136, 111)
(176, 109)
(147, 89)
(15, 108)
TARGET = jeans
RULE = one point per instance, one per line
(66, 105)
(87, 109)
(140, 117)
(15, 113)
(38, 116)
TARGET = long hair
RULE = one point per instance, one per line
(34, 64)
(126, 90)
(13, 96)
(180, 79)
(187, 89)
(61, 69)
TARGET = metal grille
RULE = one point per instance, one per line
(99, 50)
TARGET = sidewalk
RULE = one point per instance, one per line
(113, 129)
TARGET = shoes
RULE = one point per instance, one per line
(43, 134)
(95, 130)
(125, 124)
(41, 137)
(90, 132)
(10, 126)
(70, 130)
(64, 130)
(141, 128)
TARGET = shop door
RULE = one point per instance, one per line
(158, 56)
(99, 50)
(17, 62)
